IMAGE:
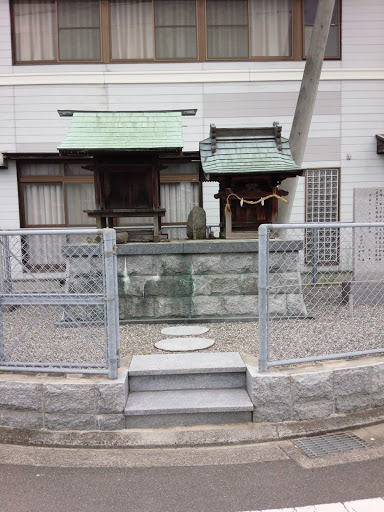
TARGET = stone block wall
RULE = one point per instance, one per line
(96, 403)
(58, 403)
(284, 396)
(203, 280)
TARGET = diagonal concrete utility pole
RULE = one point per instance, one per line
(311, 79)
(307, 97)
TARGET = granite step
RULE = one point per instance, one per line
(186, 371)
(153, 409)
(171, 364)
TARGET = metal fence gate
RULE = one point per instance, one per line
(59, 301)
(321, 292)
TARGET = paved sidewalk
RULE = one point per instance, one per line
(373, 505)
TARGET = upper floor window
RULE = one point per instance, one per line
(50, 31)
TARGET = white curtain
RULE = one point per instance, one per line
(178, 199)
(79, 29)
(41, 169)
(35, 30)
(131, 29)
(227, 29)
(79, 197)
(43, 204)
(175, 29)
(270, 28)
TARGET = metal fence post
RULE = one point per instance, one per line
(315, 255)
(111, 292)
(263, 297)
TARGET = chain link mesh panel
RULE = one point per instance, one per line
(53, 307)
(325, 291)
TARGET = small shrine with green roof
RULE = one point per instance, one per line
(249, 164)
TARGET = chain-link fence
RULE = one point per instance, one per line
(59, 301)
(321, 292)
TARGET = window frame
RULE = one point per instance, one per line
(49, 179)
(297, 39)
(58, 60)
(339, 34)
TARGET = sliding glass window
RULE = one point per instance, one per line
(59, 31)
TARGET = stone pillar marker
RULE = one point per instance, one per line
(197, 224)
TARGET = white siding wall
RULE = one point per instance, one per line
(347, 115)
(363, 33)
(5, 39)
(363, 117)
(9, 203)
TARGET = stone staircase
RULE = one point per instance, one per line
(187, 389)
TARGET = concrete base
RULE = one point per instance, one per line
(173, 420)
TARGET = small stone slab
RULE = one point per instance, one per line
(184, 330)
(187, 401)
(173, 364)
(184, 344)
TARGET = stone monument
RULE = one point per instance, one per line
(197, 224)
(368, 247)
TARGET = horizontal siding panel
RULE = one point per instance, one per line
(36, 147)
(53, 92)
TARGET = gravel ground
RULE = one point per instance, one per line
(334, 332)
(330, 329)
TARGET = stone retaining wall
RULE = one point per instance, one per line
(96, 403)
(311, 394)
(205, 279)
(58, 403)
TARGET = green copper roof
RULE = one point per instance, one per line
(246, 151)
(124, 131)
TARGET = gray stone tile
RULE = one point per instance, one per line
(350, 381)
(207, 306)
(173, 265)
(185, 344)
(159, 364)
(69, 398)
(110, 422)
(111, 397)
(312, 386)
(21, 419)
(187, 381)
(312, 409)
(21, 395)
(352, 403)
(188, 401)
(172, 307)
(271, 396)
(241, 305)
(171, 420)
(272, 412)
(136, 265)
(69, 421)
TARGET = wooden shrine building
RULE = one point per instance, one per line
(125, 149)
(249, 164)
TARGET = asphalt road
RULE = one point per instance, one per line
(227, 479)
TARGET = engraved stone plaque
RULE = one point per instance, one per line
(368, 205)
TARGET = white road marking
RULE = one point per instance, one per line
(371, 505)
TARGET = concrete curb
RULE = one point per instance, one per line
(198, 436)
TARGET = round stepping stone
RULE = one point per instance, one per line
(184, 344)
(184, 330)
